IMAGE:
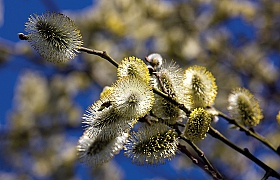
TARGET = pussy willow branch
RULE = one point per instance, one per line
(102, 54)
(212, 131)
(269, 171)
(249, 132)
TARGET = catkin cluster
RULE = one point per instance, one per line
(110, 121)
(130, 100)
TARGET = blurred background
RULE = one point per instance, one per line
(41, 103)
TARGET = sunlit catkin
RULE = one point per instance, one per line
(244, 107)
(94, 150)
(199, 87)
(54, 36)
(152, 144)
(133, 67)
(104, 119)
(197, 125)
(134, 98)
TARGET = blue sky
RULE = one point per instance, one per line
(16, 13)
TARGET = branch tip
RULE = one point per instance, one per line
(22, 36)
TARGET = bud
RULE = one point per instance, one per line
(155, 60)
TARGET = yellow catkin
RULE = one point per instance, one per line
(244, 107)
(197, 125)
(133, 67)
(199, 86)
(152, 144)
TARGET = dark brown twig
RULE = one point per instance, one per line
(204, 158)
(198, 162)
(102, 54)
(269, 171)
(249, 132)
(199, 152)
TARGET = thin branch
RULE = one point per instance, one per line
(269, 171)
(199, 152)
(204, 158)
(102, 54)
(198, 162)
(266, 176)
(249, 132)
(184, 150)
